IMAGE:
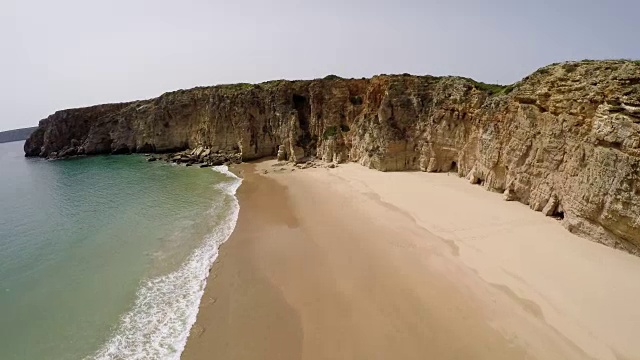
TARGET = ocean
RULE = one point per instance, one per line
(106, 257)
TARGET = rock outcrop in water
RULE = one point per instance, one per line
(564, 140)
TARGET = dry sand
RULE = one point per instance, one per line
(351, 263)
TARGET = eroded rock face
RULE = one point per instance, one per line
(565, 140)
(281, 154)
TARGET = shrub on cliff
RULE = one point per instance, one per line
(332, 131)
(332, 77)
(236, 87)
(493, 89)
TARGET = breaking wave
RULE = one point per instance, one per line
(165, 308)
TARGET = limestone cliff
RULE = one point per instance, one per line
(564, 140)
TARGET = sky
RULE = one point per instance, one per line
(71, 53)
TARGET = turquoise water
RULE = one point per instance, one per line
(105, 257)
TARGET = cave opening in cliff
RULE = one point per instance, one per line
(454, 167)
(558, 214)
(302, 107)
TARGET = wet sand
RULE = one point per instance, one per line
(351, 263)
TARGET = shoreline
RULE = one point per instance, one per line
(165, 335)
(358, 287)
(233, 278)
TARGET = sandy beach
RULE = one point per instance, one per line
(352, 263)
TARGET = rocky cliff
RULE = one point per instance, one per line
(564, 140)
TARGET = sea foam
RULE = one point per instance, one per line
(165, 309)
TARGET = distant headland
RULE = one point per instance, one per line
(16, 135)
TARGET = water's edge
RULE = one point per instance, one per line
(156, 329)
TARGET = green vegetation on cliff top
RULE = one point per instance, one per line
(491, 89)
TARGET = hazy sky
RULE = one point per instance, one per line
(69, 53)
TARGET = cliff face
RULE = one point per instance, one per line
(564, 140)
